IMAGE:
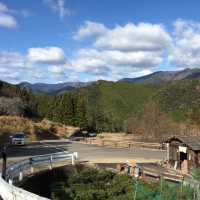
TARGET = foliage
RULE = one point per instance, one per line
(111, 106)
(92, 184)
(103, 106)
(152, 122)
(16, 101)
(196, 174)
(181, 100)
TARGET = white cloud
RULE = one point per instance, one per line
(114, 64)
(7, 20)
(131, 37)
(59, 7)
(13, 60)
(13, 66)
(47, 55)
(122, 51)
(90, 29)
(16, 67)
(113, 53)
(56, 69)
(186, 49)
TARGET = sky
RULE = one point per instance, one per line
(53, 41)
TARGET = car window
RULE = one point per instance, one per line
(19, 136)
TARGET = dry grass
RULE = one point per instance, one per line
(34, 130)
(122, 140)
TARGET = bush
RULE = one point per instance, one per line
(93, 184)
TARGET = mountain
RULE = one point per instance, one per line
(102, 106)
(44, 88)
(163, 77)
(156, 78)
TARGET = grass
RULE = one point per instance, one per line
(34, 130)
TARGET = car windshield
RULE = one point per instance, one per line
(19, 135)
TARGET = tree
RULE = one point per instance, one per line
(12, 106)
(152, 123)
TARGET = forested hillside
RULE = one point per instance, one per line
(16, 101)
(111, 106)
(103, 106)
(181, 100)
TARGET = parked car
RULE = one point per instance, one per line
(18, 139)
(92, 134)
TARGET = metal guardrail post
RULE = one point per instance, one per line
(31, 165)
(20, 176)
(76, 155)
(10, 181)
(51, 164)
(73, 159)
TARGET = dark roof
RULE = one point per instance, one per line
(191, 141)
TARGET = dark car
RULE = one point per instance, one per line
(92, 134)
(18, 139)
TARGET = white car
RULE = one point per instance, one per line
(18, 139)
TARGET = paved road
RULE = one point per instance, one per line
(87, 152)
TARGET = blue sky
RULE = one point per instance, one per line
(84, 40)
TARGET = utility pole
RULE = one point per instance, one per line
(4, 157)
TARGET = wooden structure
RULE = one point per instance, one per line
(183, 153)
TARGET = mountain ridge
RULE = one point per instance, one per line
(155, 78)
(163, 77)
(56, 89)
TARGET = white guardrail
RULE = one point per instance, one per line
(15, 172)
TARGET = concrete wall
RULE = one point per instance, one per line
(10, 192)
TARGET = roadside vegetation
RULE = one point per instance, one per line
(92, 184)
(87, 183)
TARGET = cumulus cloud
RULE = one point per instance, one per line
(13, 60)
(16, 67)
(131, 37)
(89, 59)
(90, 29)
(59, 7)
(131, 50)
(47, 55)
(186, 49)
(121, 51)
(56, 69)
(7, 20)
(113, 65)
(13, 66)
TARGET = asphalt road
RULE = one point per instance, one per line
(93, 153)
